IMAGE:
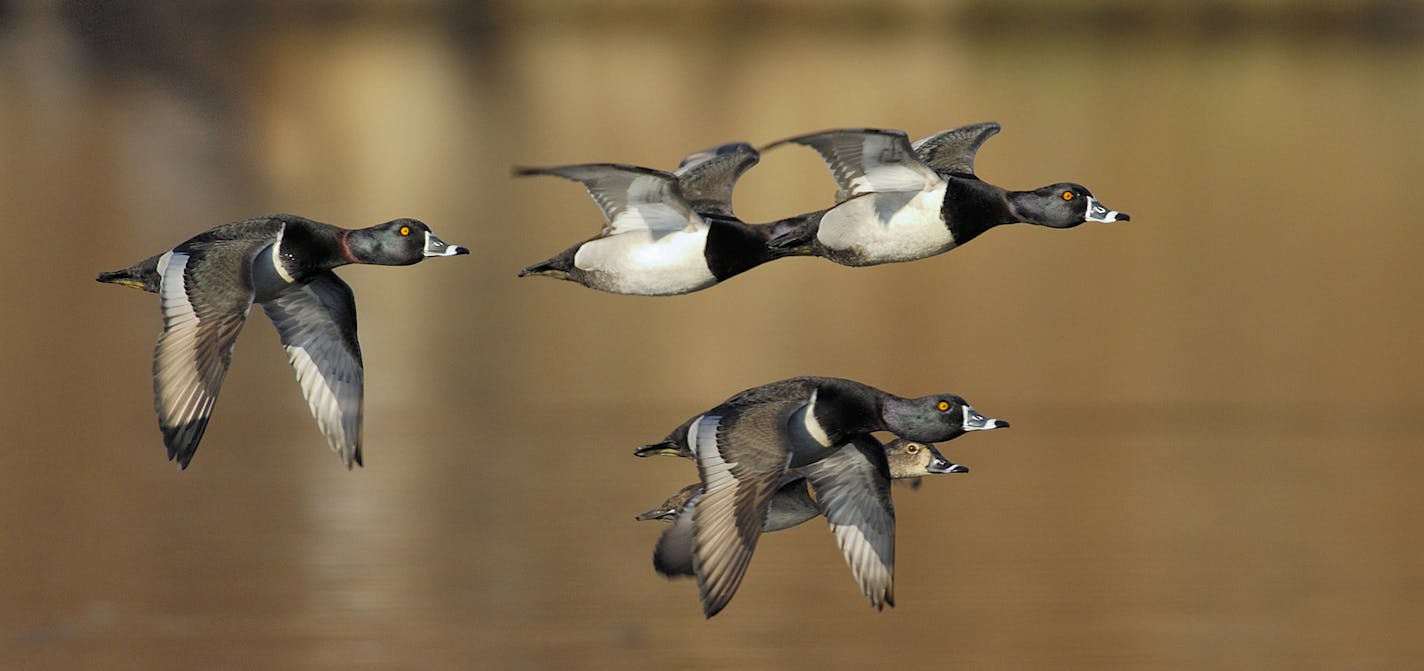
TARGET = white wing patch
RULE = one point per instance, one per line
(880, 178)
(191, 357)
(853, 492)
(335, 402)
(875, 577)
(702, 440)
(720, 556)
(659, 217)
(312, 322)
(178, 383)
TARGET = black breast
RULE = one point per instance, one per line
(972, 207)
(733, 247)
(310, 247)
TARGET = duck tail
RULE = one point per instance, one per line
(142, 275)
(794, 236)
(556, 267)
(658, 513)
(667, 448)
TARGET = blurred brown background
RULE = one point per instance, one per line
(1216, 406)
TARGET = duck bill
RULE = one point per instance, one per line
(436, 247)
(1099, 212)
(938, 464)
(973, 421)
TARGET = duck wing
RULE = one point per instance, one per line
(677, 442)
(953, 150)
(205, 291)
(706, 178)
(741, 458)
(631, 197)
(868, 160)
(317, 324)
(853, 491)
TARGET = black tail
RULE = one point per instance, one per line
(795, 236)
(142, 275)
(667, 448)
(555, 267)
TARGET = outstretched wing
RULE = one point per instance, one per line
(205, 291)
(317, 324)
(706, 178)
(853, 491)
(631, 197)
(741, 457)
(868, 160)
(953, 150)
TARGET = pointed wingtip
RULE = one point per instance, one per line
(180, 458)
(710, 609)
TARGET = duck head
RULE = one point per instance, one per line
(912, 459)
(398, 243)
(1062, 205)
(934, 418)
(668, 509)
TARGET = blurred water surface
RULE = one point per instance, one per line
(1216, 406)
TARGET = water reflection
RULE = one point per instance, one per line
(1214, 411)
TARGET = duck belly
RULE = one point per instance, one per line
(886, 228)
(648, 264)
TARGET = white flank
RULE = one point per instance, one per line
(889, 227)
(645, 263)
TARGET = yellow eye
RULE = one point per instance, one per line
(943, 406)
(1067, 195)
(912, 448)
(405, 230)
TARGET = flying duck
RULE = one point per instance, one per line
(898, 201)
(664, 233)
(793, 503)
(284, 263)
(746, 446)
